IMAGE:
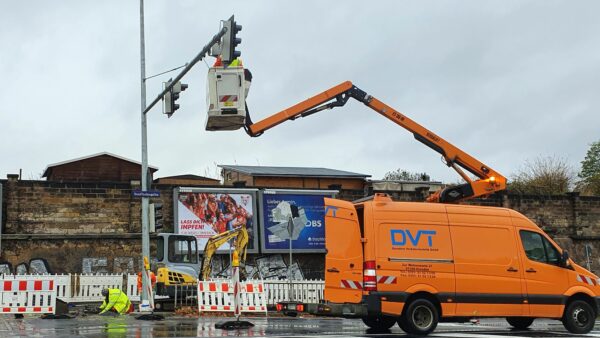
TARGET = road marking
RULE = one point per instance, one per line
(472, 335)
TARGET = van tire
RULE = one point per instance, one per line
(520, 323)
(579, 317)
(420, 317)
(379, 323)
(402, 324)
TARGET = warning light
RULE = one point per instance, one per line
(492, 179)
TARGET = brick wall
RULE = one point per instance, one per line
(66, 223)
(231, 176)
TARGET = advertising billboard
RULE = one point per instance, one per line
(205, 212)
(301, 211)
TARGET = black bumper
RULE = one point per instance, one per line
(597, 305)
(345, 310)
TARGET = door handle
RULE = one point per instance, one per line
(531, 270)
(511, 269)
(333, 270)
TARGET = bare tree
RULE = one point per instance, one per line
(404, 175)
(549, 175)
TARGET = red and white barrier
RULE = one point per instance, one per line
(23, 294)
(218, 296)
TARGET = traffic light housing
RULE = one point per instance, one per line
(171, 97)
(230, 41)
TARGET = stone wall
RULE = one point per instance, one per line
(81, 227)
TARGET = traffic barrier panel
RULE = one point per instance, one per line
(88, 288)
(27, 294)
(132, 290)
(217, 295)
(305, 291)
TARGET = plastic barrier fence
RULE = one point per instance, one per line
(75, 288)
(88, 288)
(132, 289)
(218, 296)
(27, 294)
(306, 291)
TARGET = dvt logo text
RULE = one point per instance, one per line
(399, 236)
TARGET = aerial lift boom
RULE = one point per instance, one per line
(488, 180)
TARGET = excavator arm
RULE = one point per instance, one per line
(488, 180)
(241, 242)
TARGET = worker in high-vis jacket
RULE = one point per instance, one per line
(115, 300)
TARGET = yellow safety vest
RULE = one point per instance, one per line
(236, 63)
(118, 300)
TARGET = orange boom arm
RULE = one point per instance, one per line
(488, 181)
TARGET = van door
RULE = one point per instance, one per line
(489, 277)
(546, 280)
(344, 259)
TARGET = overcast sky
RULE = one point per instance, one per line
(505, 81)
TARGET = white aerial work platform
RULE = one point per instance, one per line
(226, 98)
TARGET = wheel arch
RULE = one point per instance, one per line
(424, 295)
(583, 297)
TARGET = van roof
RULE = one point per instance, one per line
(391, 206)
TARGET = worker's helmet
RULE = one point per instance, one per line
(105, 292)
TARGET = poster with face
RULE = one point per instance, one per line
(206, 213)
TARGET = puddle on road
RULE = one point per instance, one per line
(128, 326)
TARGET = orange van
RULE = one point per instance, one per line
(416, 263)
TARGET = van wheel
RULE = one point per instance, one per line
(579, 317)
(379, 323)
(520, 323)
(420, 317)
(402, 324)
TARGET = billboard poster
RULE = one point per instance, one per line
(301, 211)
(205, 212)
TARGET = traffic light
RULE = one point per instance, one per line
(230, 41)
(171, 97)
(156, 217)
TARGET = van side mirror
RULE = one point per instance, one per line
(564, 259)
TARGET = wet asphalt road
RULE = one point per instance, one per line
(128, 326)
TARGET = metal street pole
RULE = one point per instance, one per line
(145, 109)
(145, 228)
(291, 232)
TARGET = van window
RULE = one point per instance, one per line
(537, 248)
(360, 214)
(551, 252)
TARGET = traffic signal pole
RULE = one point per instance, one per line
(145, 109)
(145, 201)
